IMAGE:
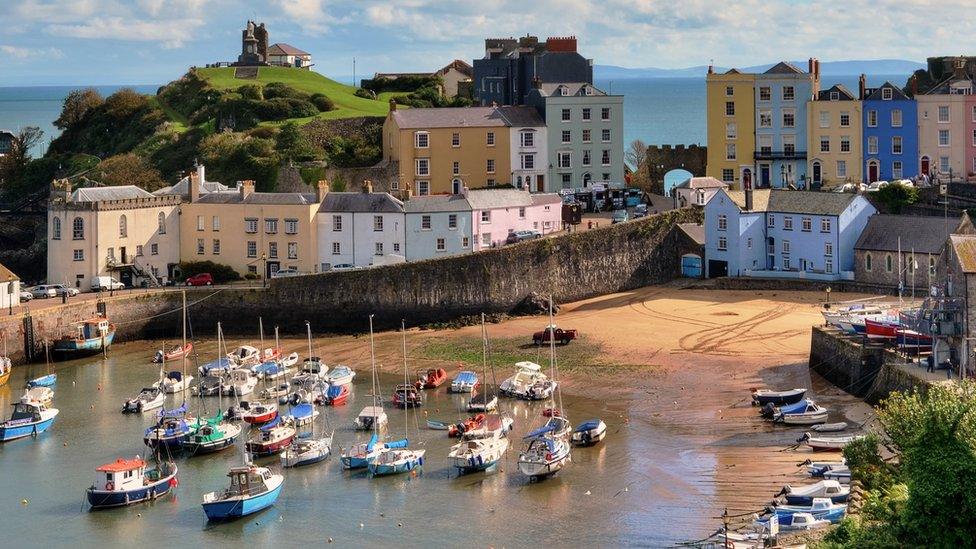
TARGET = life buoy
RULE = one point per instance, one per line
(109, 486)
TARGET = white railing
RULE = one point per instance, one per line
(800, 275)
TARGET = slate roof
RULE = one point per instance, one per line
(545, 198)
(183, 188)
(281, 199)
(99, 194)
(437, 203)
(471, 117)
(701, 183)
(6, 274)
(695, 231)
(845, 94)
(798, 202)
(896, 94)
(285, 49)
(549, 89)
(522, 116)
(923, 234)
(361, 202)
(783, 67)
(490, 199)
(964, 247)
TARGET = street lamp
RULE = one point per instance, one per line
(264, 276)
(10, 295)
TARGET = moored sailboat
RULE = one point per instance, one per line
(211, 435)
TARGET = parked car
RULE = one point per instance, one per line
(105, 283)
(200, 279)
(285, 273)
(560, 335)
(521, 236)
(61, 289)
(343, 267)
(44, 291)
(619, 216)
(640, 211)
(26, 296)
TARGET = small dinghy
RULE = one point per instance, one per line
(271, 438)
(821, 508)
(269, 371)
(827, 443)
(770, 411)
(289, 361)
(252, 489)
(173, 354)
(336, 395)
(465, 382)
(340, 375)
(815, 468)
(258, 413)
(761, 397)
(302, 415)
(208, 386)
(276, 391)
(371, 417)
(174, 382)
(435, 425)
(128, 481)
(431, 378)
(830, 427)
(360, 454)
(29, 418)
(551, 412)
(44, 381)
(44, 395)
(306, 451)
(483, 402)
(810, 414)
(589, 433)
(407, 396)
(245, 356)
(470, 424)
(149, 398)
(803, 495)
(796, 522)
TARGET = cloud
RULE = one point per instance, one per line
(310, 15)
(23, 54)
(172, 33)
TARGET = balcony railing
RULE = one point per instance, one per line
(780, 155)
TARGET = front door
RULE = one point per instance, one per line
(273, 267)
(123, 254)
(816, 173)
(925, 165)
(764, 181)
(872, 172)
(746, 179)
(540, 183)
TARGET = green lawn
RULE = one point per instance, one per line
(180, 123)
(346, 102)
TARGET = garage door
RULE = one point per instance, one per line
(691, 266)
(717, 268)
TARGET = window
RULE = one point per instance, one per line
(728, 175)
(606, 157)
(931, 266)
(789, 118)
(867, 262)
(786, 246)
(845, 119)
(421, 140)
(873, 145)
(336, 248)
(845, 144)
(586, 157)
(765, 119)
(586, 136)
(787, 223)
(456, 168)
(528, 161)
(974, 114)
(200, 224)
(423, 188)
(528, 139)
(723, 243)
(291, 226)
(789, 144)
(896, 144)
(886, 94)
(79, 255)
(771, 221)
(825, 144)
(123, 227)
(200, 247)
(521, 213)
(888, 263)
(605, 136)
(564, 160)
(834, 96)
(465, 242)
(490, 139)
(490, 165)
(396, 247)
(271, 226)
(828, 265)
(566, 116)
(566, 136)
(425, 223)
(252, 248)
(825, 225)
(806, 225)
(729, 108)
(293, 250)
(723, 222)
(273, 250)
(452, 221)
(567, 180)
(731, 131)
(788, 93)
(154, 249)
(944, 164)
(253, 269)
(872, 119)
(764, 93)
(379, 248)
(896, 170)
(441, 245)
(377, 223)
(486, 239)
(490, 182)
(422, 167)
(943, 138)
(943, 114)
(828, 248)
(729, 91)
(730, 151)
(216, 246)
(161, 219)
(455, 139)
(605, 114)
(586, 114)
(765, 144)
(251, 225)
(78, 229)
(749, 243)
(896, 118)
(336, 223)
(824, 119)
(56, 228)
(841, 168)
(486, 216)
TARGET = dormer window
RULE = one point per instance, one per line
(563, 90)
(886, 94)
(834, 96)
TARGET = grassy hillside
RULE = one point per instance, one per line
(346, 102)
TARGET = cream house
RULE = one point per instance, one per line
(9, 288)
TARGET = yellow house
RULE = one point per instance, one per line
(444, 150)
(253, 232)
(835, 136)
(731, 119)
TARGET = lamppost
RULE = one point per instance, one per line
(264, 276)
(10, 295)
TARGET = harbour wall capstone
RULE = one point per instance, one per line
(788, 285)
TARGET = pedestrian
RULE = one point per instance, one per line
(931, 363)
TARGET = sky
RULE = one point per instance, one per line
(89, 42)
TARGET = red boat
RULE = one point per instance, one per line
(174, 354)
(335, 395)
(271, 439)
(473, 422)
(881, 329)
(431, 379)
(258, 413)
(551, 412)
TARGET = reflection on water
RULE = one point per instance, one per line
(628, 491)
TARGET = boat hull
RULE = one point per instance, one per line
(808, 500)
(778, 398)
(538, 469)
(208, 447)
(399, 467)
(45, 381)
(261, 449)
(25, 430)
(81, 347)
(102, 499)
(308, 458)
(234, 509)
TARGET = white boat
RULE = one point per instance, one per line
(149, 398)
(238, 382)
(543, 457)
(589, 432)
(811, 414)
(312, 371)
(396, 461)
(306, 451)
(245, 356)
(828, 443)
(485, 401)
(528, 373)
(477, 454)
(464, 382)
(176, 382)
(277, 391)
(289, 361)
(44, 395)
(830, 427)
(340, 375)
(804, 495)
(372, 417)
(493, 426)
(541, 390)
(821, 508)
(797, 522)
(815, 467)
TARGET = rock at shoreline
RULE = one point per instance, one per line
(535, 304)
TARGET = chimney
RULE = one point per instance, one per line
(810, 66)
(393, 104)
(367, 186)
(914, 84)
(959, 68)
(748, 190)
(194, 187)
(816, 67)
(246, 188)
(862, 87)
(323, 189)
(464, 191)
(711, 69)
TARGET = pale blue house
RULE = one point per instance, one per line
(783, 234)
(782, 93)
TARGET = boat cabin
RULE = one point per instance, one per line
(526, 366)
(92, 328)
(237, 377)
(121, 475)
(245, 355)
(248, 481)
(312, 366)
(29, 411)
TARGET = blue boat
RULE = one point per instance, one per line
(216, 367)
(465, 382)
(127, 481)
(359, 455)
(821, 508)
(30, 418)
(268, 370)
(171, 430)
(805, 495)
(90, 337)
(396, 461)
(303, 414)
(44, 381)
(252, 489)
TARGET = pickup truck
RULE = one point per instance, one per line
(560, 335)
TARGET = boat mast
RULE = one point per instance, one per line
(308, 334)
(183, 379)
(552, 356)
(372, 360)
(261, 332)
(406, 411)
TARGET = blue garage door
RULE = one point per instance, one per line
(691, 266)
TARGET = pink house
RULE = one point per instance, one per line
(496, 213)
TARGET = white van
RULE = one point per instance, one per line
(105, 283)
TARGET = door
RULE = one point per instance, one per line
(764, 172)
(123, 255)
(691, 266)
(717, 268)
(872, 171)
(925, 165)
(746, 179)
(273, 267)
(540, 183)
(456, 186)
(816, 173)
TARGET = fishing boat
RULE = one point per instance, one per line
(312, 370)
(761, 397)
(528, 373)
(432, 378)
(544, 456)
(129, 481)
(29, 418)
(336, 395)
(483, 402)
(303, 414)
(804, 495)
(770, 410)
(257, 413)
(407, 396)
(464, 382)
(149, 398)
(882, 328)
(275, 392)
(470, 424)
(796, 522)
(177, 352)
(840, 473)
(208, 386)
(830, 427)
(238, 382)
(589, 433)
(245, 356)
(175, 382)
(170, 430)
(542, 389)
(89, 337)
(271, 438)
(44, 395)
(477, 454)
(810, 414)
(211, 435)
(340, 375)
(44, 381)
(252, 489)
(306, 451)
(827, 443)
(820, 508)
(815, 468)
(371, 417)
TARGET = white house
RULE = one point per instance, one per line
(696, 191)
(529, 150)
(783, 234)
(437, 226)
(360, 229)
(286, 55)
(9, 288)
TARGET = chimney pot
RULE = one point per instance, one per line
(393, 104)
(323, 189)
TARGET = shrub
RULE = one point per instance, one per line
(322, 102)
(895, 196)
(220, 272)
(274, 90)
(251, 91)
(365, 94)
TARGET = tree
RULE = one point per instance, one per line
(14, 164)
(895, 196)
(129, 169)
(636, 157)
(76, 106)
